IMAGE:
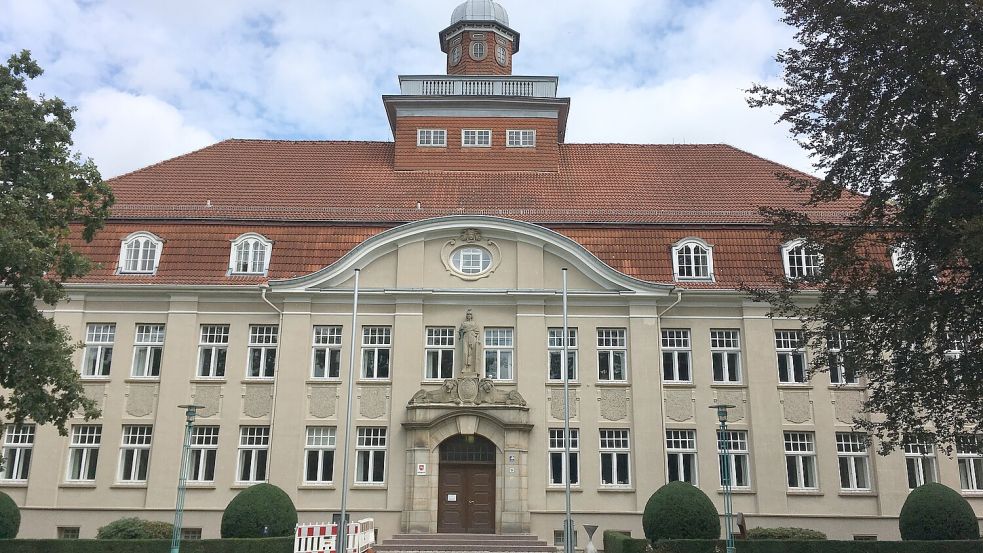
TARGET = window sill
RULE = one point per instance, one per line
(858, 493)
(559, 383)
(676, 384)
(794, 386)
(95, 378)
(739, 491)
(129, 485)
(971, 493)
(374, 381)
(814, 493)
(78, 485)
(327, 486)
(728, 385)
(858, 387)
(263, 380)
(615, 489)
(614, 383)
(431, 145)
(141, 379)
(381, 486)
(200, 485)
(244, 485)
(208, 380)
(561, 489)
(13, 483)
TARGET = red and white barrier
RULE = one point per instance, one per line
(322, 537)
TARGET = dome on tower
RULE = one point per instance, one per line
(480, 10)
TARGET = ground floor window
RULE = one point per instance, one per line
(800, 460)
(370, 449)
(559, 468)
(254, 449)
(681, 455)
(615, 449)
(319, 455)
(736, 457)
(920, 464)
(969, 452)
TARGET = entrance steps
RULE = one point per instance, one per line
(516, 543)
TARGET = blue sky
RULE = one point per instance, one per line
(153, 79)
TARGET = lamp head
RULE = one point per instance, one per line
(722, 411)
(190, 411)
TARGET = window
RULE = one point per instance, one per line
(376, 343)
(558, 467)
(250, 255)
(841, 369)
(801, 259)
(440, 353)
(692, 260)
(471, 260)
(969, 454)
(262, 351)
(525, 138)
(134, 454)
(500, 55)
(319, 455)
(190, 534)
(676, 356)
(327, 352)
(614, 458)
(99, 338)
(725, 351)
(213, 349)
(478, 51)
(791, 357)
(498, 353)
(476, 138)
(370, 451)
(800, 460)
(432, 137)
(18, 445)
(681, 455)
(201, 456)
(254, 448)
(559, 539)
(736, 457)
(140, 254)
(83, 452)
(554, 345)
(851, 448)
(69, 532)
(148, 351)
(456, 55)
(612, 355)
(920, 462)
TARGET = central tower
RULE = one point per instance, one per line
(479, 40)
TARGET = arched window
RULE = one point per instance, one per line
(692, 259)
(801, 259)
(139, 253)
(250, 255)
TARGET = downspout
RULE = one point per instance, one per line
(263, 288)
(679, 298)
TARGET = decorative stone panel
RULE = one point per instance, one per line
(556, 403)
(796, 406)
(97, 393)
(141, 399)
(257, 400)
(848, 405)
(679, 405)
(613, 403)
(210, 397)
(372, 401)
(737, 398)
(322, 401)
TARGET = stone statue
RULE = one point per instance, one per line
(469, 334)
(447, 393)
(489, 394)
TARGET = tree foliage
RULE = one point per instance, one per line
(44, 188)
(888, 98)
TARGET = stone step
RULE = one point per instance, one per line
(476, 537)
(462, 542)
(523, 547)
(525, 543)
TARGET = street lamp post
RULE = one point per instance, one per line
(190, 411)
(725, 473)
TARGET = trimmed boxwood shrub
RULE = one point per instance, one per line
(9, 517)
(619, 542)
(936, 512)
(262, 505)
(784, 533)
(680, 511)
(133, 528)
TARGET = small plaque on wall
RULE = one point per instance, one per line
(452, 497)
(421, 469)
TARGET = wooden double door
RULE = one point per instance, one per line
(466, 488)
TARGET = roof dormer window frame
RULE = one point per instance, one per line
(481, 138)
(428, 138)
(520, 138)
(807, 260)
(243, 255)
(696, 270)
(139, 253)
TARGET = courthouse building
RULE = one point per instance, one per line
(227, 277)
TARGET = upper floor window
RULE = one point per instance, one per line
(18, 445)
(692, 259)
(969, 455)
(376, 345)
(554, 344)
(99, 338)
(148, 351)
(498, 353)
(213, 349)
(725, 350)
(431, 137)
(476, 137)
(676, 355)
(250, 255)
(523, 138)
(841, 369)
(612, 355)
(140, 253)
(440, 353)
(327, 352)
(262, 351)
(792, 367)
(801, 259)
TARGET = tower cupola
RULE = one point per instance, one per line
(479, 40)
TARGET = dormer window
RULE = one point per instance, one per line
(250, 255)
(692, 259)
(476, 138)
(801, 259)
(139, 254)
(431, 137)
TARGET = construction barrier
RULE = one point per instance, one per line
(322, 537)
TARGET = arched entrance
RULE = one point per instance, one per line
(466, 485)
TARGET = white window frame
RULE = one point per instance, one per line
(687, 257)
(148, 351)
(790, 345)
(615, 443)
(213, 351)
(520, 138)
(319, 449)
(677, 356)
(499, 353)
(463, 260)
(921, 464)
(554, 354)
(254, 451)
(556, 452)
(370, 450)
(264, 341)
(808, 262)
(854, 462)
(612, 343)
(439, 346)
(139, 254)
(202, 454)
(800, 449)
(739, 458)
(377, 359)
(134, 451)
(18, 449)
(681, 447)
(478, 50)
(326, 352)
(969, 457)
(476, 138)
(250, 254)
(725, 355)
(428, 138)
(838, 374)
(98, 357)
(83, 452)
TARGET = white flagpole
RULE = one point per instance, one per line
(568, 521)
(342, 542)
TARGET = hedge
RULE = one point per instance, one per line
(254, 545)
(258, 507)
(818, 546)
(619, 542)
(937, 512)
(133, 528)
(785, 533)
(9, 517)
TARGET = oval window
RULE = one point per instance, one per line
(471, 260)
(456, 55)
(500, 55)
(478, 51)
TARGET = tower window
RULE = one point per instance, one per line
(456, 55)
(476, 138)
(501, 56)
(478, 51)
(431, 137)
